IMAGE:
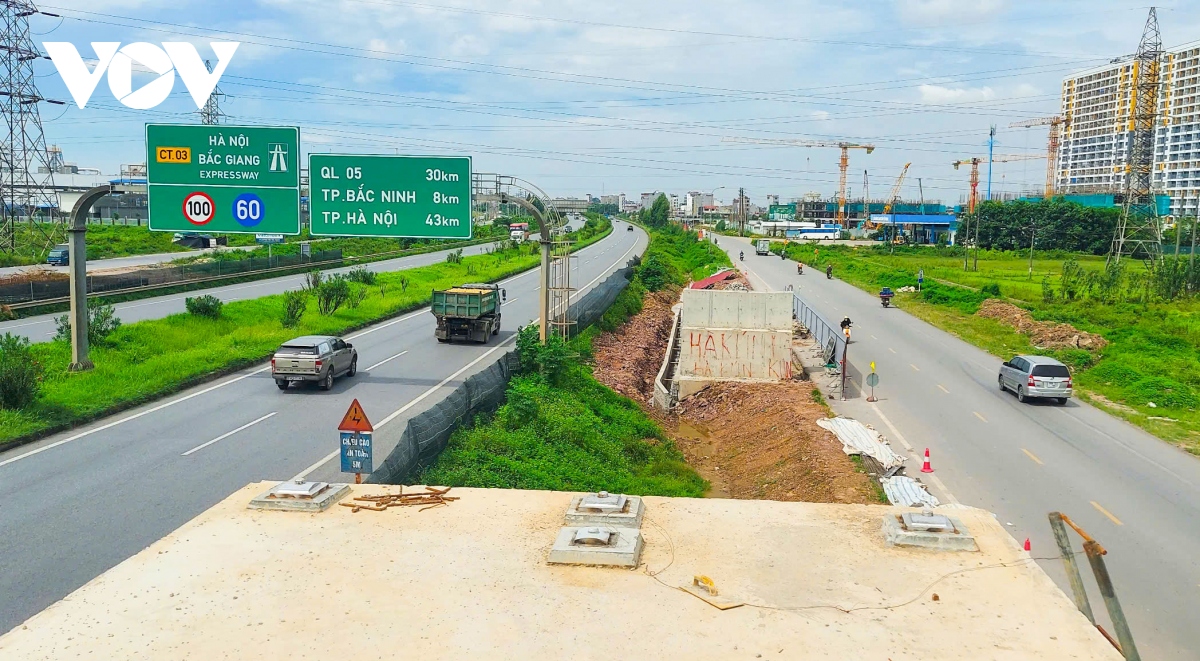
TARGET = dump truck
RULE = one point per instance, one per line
(762, 247)
(519, 232)
(468, 312)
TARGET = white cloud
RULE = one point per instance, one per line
(939, 94)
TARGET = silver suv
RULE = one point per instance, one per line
(1036, 376)
(317, 358)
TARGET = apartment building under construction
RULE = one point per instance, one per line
(1097, 104)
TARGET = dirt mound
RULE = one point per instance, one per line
(1043, 334)
(627, 359)
(32, 274)
(763, 441)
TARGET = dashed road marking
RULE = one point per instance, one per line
(979, 415)
(914, 367)
(1033, 457)
(943, 388)
(891, 349)
(229, 433)
(385, 360)
(1106, 513)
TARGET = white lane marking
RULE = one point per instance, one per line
(943, 388)
(228, 434)
(398, 412)
(937, 481)
(135, 416)
(385, 360)
(979, 415)
(513, 300)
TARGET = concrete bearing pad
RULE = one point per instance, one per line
(300, 496)
(907, 530)
(605, 509)
(604, 546)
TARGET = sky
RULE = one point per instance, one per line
(602, 98)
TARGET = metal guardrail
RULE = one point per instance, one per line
(831, 339)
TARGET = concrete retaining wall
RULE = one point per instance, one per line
(734, 336)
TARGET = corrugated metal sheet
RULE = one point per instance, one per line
(858, 438)
(904, 491)
(713, 279)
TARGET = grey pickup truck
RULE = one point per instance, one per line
(316, 358)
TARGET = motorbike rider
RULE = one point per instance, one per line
(741, 256)
(846, 323)
(829, 271)
(799, 268)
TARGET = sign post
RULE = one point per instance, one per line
(872, 381)
(219, 178)
(920, 278)
(356, 451)
(419, 197)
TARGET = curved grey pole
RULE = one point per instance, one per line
(544, 240)
(78, 256)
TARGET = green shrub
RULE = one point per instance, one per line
(20, 372)
(991, 289)
(332, 293)
(1163, 392)
(204, 306)
(102, 321)
(454, 257)
(965, 300)
(654, 274)
(294, 305)
(362, 275)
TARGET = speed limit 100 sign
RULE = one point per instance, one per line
(198, 208)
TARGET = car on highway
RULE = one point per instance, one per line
(60, 255)
(629, 228)
(1036, 377)
(313, 358)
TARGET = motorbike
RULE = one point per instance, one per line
(799, 268)
(829, 273)
(741, 256)
(885, 297)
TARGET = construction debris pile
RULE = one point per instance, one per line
(1043, 334)
(428, 499)
(881, 461)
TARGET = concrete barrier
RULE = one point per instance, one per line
(734, 336)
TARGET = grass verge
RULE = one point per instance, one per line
(143, 361)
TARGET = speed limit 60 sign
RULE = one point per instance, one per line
(230, 179)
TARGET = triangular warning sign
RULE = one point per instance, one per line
(355, 419)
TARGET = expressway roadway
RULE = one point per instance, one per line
(1137, 495)
(75, 504)
(41, 328)
(121, 262)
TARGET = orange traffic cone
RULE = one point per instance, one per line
(1028, 547)
(925, 467)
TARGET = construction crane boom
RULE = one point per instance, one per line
(843, 164)
(1056, 123)
(894, 196)
(974, 163)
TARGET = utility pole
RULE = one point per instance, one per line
(742, 210)
(976, 241)
(966, 232)
(1032, 239)
(991, 144)
(921, 190)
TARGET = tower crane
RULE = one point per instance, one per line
(843, 164)
(974, 163)
(1056, 123)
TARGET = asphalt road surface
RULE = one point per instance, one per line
(1137, 495)
(75, 504)
(41, 328)
(121, 262)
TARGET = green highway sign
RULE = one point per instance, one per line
(218, 178)
(420, 197)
